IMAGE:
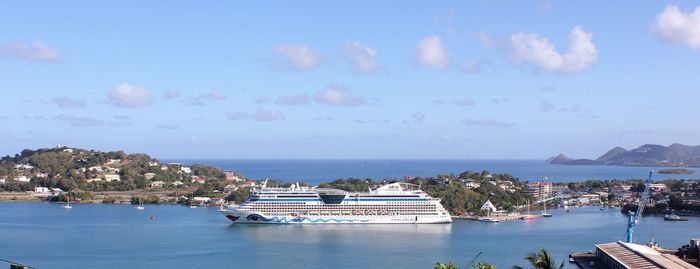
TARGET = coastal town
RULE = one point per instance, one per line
(71, 175)
(92, 176)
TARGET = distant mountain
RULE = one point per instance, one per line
(611, 154)
(675, 155)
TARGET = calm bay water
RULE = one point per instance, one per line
(317, 171)
(45, 235)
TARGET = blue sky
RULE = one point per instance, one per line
(360, 79)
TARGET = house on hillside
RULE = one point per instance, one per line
(25, 166)
(96, 168)
(22, 178)
(249, 183)
(231, 176)
(112, 177)
(157, 184)
(230, 188)
(471, 184)
(149, 176)
(197, 179)
(178, 183)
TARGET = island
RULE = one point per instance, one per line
(675, 155)
(677, 171)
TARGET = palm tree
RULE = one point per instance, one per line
(450, 265)
(541, 260)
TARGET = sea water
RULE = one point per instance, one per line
(317, 171)
(45, 235)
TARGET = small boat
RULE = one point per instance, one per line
(67, 205)
(674, 217)
(488, 219)
(193, 206)
(544, 211)
(140, 206)
(528, 216)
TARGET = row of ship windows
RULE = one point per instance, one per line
(347, 203)
(340, 207)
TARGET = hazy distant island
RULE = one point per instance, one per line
(675, 155)
(676, 171)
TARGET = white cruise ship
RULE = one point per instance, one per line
(391, 203)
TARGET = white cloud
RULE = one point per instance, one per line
(171, 94)
(337, 96)
(432, 53)
(465, 102)
(471, 67)
(168, 127)
(418, 117)
(674, 26)
(546, 106)
(263, 100)
(65, 102)
(487, 123)
(35, 51)
(531, 48)
(127, 95)
(293, 100)
(201, 99)
(363, 57)
(298, 57)
(259, 115)
(488, 41)
(80, 121)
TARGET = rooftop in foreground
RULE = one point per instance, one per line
(628, 255)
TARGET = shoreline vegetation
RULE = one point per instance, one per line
(88, 176)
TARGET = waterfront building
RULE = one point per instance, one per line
(658, 187)
(41, 190)
(539, 189)
(620, 255)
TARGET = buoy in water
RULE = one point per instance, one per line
(153, 217)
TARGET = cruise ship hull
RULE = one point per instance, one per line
(257, 218)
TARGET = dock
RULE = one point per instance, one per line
(498, 217)
(584, 260)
